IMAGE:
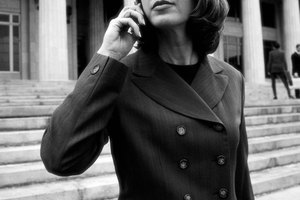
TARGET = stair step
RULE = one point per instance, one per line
(27, 111)
(29, 173)
(269, 110)
(265, 102)
(269, 143)
(9, 82)
(23, 123)
(277, 178)
(8, 98)
(14, 138)
(19, 154)
(36, 102)
(35, 87)
(100, 188)
(35, 92)
(30, 153)
(261, 161)
(292, 193)
(273, 129)
(272, 119)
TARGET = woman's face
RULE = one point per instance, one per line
(167, 13)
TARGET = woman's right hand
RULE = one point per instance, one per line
(122, 32)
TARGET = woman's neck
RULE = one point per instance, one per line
(176, 48)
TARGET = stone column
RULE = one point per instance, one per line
(25, 71)
(53, 56)
(254, 66)
(291, 28)
(96, 26)
(72, 41)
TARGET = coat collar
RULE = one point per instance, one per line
(163, 85)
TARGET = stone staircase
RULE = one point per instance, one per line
(25, 107)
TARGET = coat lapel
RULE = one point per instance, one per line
(209, 82)
(164, 86)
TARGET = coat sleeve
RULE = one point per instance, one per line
(77, 130)
(293, 64)
(242, 177)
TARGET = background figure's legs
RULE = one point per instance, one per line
(284, 80)
(273, 78)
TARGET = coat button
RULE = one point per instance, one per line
(221, 160)
(181, 130)
(95, 69)
(183, 163)
(223, 193)
(218, 127)
(187, 197)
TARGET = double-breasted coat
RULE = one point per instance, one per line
(169, 140)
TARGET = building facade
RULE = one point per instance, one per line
(54, 40)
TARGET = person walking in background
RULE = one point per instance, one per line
(296, 67)
(276, 68)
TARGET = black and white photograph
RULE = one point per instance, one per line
(149, 99)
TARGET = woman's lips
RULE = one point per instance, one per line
(161, 3)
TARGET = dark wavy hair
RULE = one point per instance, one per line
(204, 26)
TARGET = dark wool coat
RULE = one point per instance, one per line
(277, 62)
(169, 140)
(296, 63)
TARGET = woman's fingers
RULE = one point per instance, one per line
(128, 22)
(135, 15)
(135, 7)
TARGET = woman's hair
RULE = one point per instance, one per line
(204, 26)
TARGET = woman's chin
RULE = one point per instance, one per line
(162, 22)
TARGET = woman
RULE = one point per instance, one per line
(173, 135)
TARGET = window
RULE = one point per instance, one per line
(234, 10)
(233, 51)
(9, 42)
(268, 14)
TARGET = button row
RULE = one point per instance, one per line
(184, 163)
(223, 194)
(181, 130)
